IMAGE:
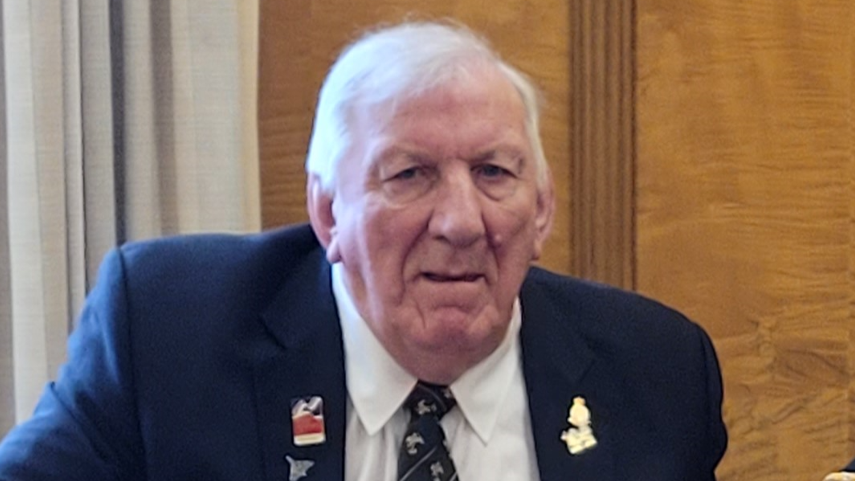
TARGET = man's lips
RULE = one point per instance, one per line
(464, 277)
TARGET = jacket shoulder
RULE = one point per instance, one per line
(608, 314)
(283, 245)
(243, 270)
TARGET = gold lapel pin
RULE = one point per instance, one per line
(579, 437)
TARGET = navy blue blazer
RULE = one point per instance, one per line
(189, 351)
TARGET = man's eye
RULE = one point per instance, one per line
(408, 184)
(406, 174)
(491, 171)
(495, 181)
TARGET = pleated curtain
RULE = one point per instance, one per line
(123, 120)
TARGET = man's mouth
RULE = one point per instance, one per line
(466, 277)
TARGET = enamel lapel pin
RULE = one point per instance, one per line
(579, 437)
(307, 428)
(307, 421)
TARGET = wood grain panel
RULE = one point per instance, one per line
(850, 424)
(299, 41)
(602, 140)
(745, 212)
(287, 82)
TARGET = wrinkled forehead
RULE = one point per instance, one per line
(372, 114)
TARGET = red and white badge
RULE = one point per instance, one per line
(307, 421)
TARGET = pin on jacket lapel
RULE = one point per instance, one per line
(303, 358)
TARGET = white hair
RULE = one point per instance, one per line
(393, 64)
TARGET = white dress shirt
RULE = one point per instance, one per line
(489, 433)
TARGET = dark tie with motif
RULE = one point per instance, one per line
(424, 454)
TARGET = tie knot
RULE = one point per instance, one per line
(429, 398)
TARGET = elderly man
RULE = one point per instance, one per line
(403, 335)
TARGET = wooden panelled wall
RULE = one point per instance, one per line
(744, 212)
(703, 155)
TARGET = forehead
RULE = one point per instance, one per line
(470, 112)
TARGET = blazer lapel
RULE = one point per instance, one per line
(302, 358)
(557, 365)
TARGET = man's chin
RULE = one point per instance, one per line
(454, 332)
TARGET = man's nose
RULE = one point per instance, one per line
(457, 212)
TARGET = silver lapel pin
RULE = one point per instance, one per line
(299, 468)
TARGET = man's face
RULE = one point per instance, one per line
(436, 217)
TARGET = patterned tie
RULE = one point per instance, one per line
(424, 454)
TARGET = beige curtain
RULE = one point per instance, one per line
(123, 120)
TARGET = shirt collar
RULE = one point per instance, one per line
(481, 391)
(378, 386)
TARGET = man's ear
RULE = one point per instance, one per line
(319, 203)
(544, 215)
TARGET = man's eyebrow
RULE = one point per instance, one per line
(515, 154)
(485, 156)
(385, 155)
(394, 150)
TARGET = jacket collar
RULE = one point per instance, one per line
(301, 359)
